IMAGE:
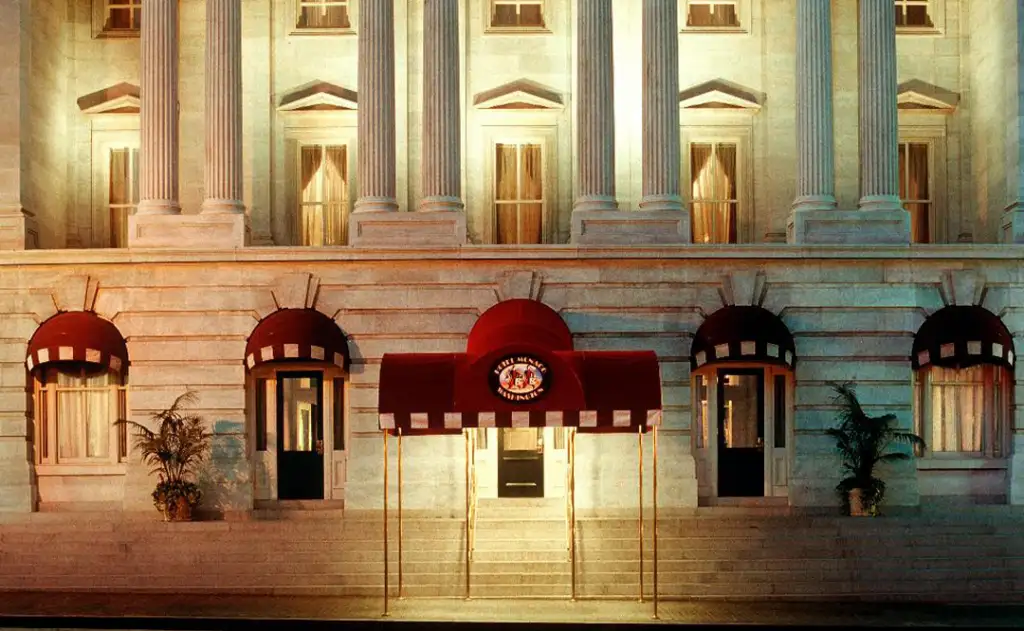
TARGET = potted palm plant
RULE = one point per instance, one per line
(862, 442)
(174, 451)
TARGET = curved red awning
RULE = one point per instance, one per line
(78, 336)
(296, 335)
(962, 336)
(520, 371)
(742, 334)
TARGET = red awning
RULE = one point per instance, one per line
(296, 335)
(742, 334)
(78, 336)
(962, 336)
(520, 374)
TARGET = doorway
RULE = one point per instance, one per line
(740, 433)
(521, 462)
(300, 431)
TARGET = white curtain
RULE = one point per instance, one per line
(713, 191)
(957, 409)
(85, 413)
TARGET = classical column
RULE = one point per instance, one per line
(595, 107)
(223, 106)
(442, 144)
(661, 106)
(376, 84)
(158, 153)
(879, 125)
(815, 141)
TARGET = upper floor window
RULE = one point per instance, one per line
(323, 14)
(519, 199)
(122, 15)
(123, 195)
(964, 410)
(712, 14)
(714, 192)
(916, 189)
(527, 14)
(323, 195)
(77, 405)
(913, 13)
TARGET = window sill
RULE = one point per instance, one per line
(713, 30)
(45, 470)
(321, 32)
(918, 30)
(118, 34)
(954, 462)
(517, 30)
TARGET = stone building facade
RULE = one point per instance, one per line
(711, 181)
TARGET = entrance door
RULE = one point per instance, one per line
(741, 433)
(300, 431)
(521, 462)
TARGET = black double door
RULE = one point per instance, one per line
(300, 430)
(741, 458)
(521, 462)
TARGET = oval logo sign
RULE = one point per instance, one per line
(520, 378)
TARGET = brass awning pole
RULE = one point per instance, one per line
(466, 434)
(385, 523)
(655, 502)
(640, 512)
(401, 527)
(572, 507)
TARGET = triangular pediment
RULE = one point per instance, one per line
(122, 98)
(720, 94)
(521, 94)
(919, 95)
(319, 96)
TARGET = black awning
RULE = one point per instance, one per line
(742, 334)
(960, 336)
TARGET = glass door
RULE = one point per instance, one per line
(741, 458)
(300, 431)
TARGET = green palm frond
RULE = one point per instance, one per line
(179, 443)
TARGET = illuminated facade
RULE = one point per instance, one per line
(768, 194)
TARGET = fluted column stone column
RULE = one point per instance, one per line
(442, 144)
(158, 154)
(223, 107)
(595, 107)
(376, 119)
(661, 187)
(815, 139)
(879, 124)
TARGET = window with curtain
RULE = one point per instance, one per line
(518, 193)
(912, 13)
(915, 189)
(517, 13)
(712, 13)
(316, 14)
(122, 15)
(323, 195)
(123, 193)
(713, 192)
(964, 410)
(77, 406)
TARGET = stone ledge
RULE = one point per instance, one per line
(1012, 224)
(212, 231)
(848, 227)
(424, 228)
(632, 227)
(18, 229)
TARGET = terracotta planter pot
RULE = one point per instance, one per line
(858, 507)
(179, 511)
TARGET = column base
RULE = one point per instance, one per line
(18, 229)
(848, 227)
(440, 204)
(634, 227)
(204, 231)
(1012, 225)
(427, 228)
(215, 206)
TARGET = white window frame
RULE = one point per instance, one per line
(353, 17)
(490, 10)
(546, 137)
(743, 9)
(741, 137)
(936, 13)
(935, 137)
(100, 11)
(111, 131)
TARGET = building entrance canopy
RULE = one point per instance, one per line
(742, 334)
(78, 336)
(962, 336)
(519, 370)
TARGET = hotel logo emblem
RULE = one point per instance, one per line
(520, 378)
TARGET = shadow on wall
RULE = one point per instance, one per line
(225, 477)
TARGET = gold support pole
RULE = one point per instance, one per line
(386, 524)
(466, 434)
(654, 464)
(640, 512)
(401, 527)
(572, 507)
